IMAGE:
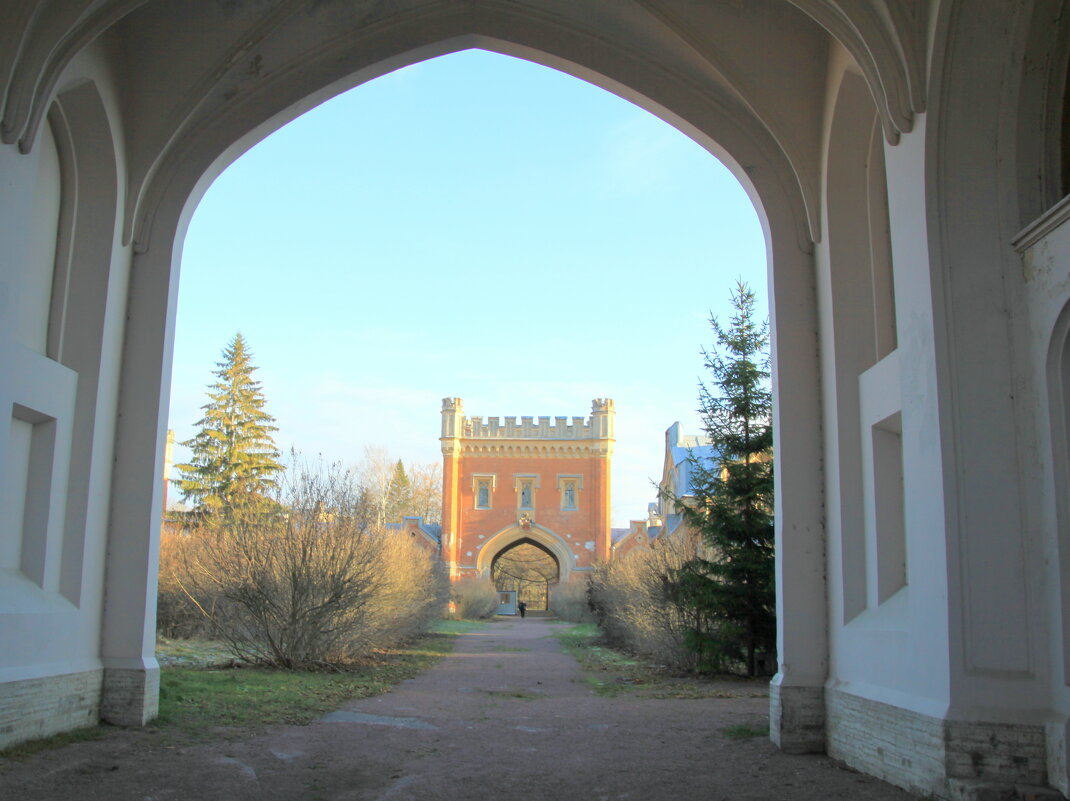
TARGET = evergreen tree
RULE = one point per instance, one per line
(399, 500)
(731, 592)
(233, 454)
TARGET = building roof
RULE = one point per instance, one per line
(432, 530)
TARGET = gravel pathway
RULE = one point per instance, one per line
(508, 715)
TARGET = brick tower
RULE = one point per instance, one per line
(535, 481)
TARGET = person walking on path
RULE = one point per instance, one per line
(522, 608)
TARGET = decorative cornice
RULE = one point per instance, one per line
(886, 39)
(54, 34)
(1043, 225)
(530, 449)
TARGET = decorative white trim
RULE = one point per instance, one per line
(602, 449)
(551, 540)
(577, 476)
(520, 480)
(564, 481)
(1043, 225)
(477, 478)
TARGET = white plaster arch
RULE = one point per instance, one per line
(1058, 377)
(1040, 126)
(889, 50)
(550, 540)
(214, 136)
(207, 89)
(239, 111)
(975, 101)
(233, 113)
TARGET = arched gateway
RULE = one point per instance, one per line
(908, 161)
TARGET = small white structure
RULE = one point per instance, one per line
(507, 602)
(908, 161)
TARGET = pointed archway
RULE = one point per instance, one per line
(540, 537)
(186, 112)
(528, 568)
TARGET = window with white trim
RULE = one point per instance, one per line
(525, 486)
(483, 490)
(568, 488)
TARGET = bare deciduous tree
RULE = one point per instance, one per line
(633, 600)
(310, 579)
(375, 473)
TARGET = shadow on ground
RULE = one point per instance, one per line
(507, 715)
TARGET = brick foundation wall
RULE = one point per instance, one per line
(35, 708)
(929, 756)
(131, 696)
(998, 753)
(797, 719)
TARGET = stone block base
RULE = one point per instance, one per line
(35, 708)
(797, 719)
(949, 759)
(131, 696)
(969, 790)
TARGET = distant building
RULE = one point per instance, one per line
(541, 481)
(427, 535)
(677, 477)
(168, 464)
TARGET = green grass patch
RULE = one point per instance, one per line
(199, 698)
(194, 701)
(744, 731)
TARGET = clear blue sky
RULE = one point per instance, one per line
(474, 226)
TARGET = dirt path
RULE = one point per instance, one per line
(507, 716)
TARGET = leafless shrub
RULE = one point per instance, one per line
(176, 614)
(632, 599)
(473, 599)
(307, 580)
(569, 602)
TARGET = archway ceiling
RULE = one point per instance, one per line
(205, 75)
(526, 541)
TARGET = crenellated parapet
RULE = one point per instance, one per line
(452, 417)
(599, 426)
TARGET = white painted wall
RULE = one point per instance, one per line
(51, 601)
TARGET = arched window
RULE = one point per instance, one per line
(1059, 407)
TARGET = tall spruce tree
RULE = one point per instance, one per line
(731, 591)
(234, 458)
(398, 495)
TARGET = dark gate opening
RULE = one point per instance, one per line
(529, 569)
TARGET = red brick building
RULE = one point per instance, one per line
(543, 481)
